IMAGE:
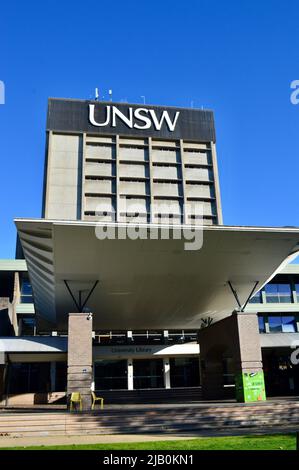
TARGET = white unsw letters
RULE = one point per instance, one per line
(142, 115)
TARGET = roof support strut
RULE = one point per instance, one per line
(79, 305)
(237, 297)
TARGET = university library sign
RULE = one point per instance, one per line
(187, 349)
(99, 117)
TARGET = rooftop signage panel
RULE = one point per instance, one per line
(99, 117)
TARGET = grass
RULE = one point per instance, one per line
(267, 442)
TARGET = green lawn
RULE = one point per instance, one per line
(267, 442)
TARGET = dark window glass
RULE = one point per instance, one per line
(184, 372)
(278, 293)
(261, 324)
(275, 325)
(26, 288)
(181, 336)
(27, 326)
(26, 292)
(297, 291)
(285, 324)
(61, 375)
(289, 324)
(29, 377)
(110, 375)
(148, 373)
(256, 299)
(228, 371)
(147, 337)
(175, 336)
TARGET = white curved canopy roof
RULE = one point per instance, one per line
(148, 284)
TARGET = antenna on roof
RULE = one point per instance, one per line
(110, 94)
(143, 97)
(97, 94)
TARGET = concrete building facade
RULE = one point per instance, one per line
(143, 319)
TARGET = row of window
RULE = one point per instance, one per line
(278, 324)
(277, 293)
(147, 373)
(108, 375)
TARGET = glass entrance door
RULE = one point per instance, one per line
(110, 375)
(148, 373)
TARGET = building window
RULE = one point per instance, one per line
(147, 337)
(110, 375)
(27, 326)
(184, 372)
(297, 292)
(29, 378)
(181, 336)
(282, 324)
(148, 373)
(256, 299)
(228, 371)
(278, 293)
(262, 328)
(26, 292)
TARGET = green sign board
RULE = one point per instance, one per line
(250, 386)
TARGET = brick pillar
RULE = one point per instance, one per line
(237, 337)
(79, 371)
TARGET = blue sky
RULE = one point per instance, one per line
(237, 58)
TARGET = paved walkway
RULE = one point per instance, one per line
(69, 440)
(125, 438)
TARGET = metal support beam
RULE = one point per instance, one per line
(235, 294)
(237, 297)
(79, 305)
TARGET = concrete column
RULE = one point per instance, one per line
(238, 337)
(166, 370)
(79, 372)
(130, 374)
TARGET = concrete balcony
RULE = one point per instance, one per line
(133, 154)
(99, 186)
(100, 169)
(99, 204)
(166, 156)
(134, 171)
(167, 189)
(100, 151)
(198, 174)
(200, 190)
(134, 188)
(199, 158)
(166, 172)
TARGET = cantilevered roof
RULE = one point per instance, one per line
(148, 284)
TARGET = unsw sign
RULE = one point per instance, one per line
(98, 117)
(138, 118)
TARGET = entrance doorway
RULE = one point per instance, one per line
(148, 373)
(110, 375)
(281, 376)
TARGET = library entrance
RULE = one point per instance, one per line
(148, 373)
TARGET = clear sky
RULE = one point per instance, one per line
(235, 57)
